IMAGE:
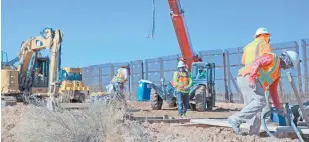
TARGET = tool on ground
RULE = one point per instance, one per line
(287, 115)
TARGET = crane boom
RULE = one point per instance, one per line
(177, 17)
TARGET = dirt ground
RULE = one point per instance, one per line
(24, 123)
(222, 110)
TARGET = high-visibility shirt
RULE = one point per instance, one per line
(267, 70)
(255, 49)
(121, 76)
(182, 80)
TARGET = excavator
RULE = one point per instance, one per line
(202, 93)
(35, 74)
(41, 76)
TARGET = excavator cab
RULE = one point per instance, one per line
(41, 72)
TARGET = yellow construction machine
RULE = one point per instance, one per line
(72, 89)
(35, 75)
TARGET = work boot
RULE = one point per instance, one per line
(234, 124)
(184, 116)
(180, 116)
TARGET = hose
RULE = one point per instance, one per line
(287, 116)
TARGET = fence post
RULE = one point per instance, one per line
(226, 75)
(299, 72)
(146, 69)
(100, 78)
(305, 63)
(229, 76)
(161, 68)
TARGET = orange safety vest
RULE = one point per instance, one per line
(267, 74)
(183, 80)
(119, 77)
(253, 50)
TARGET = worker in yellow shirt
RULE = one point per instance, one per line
(257, 47)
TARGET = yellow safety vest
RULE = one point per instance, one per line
(267, 74)
(252, 50)
(119, 77)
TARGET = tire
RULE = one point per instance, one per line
(156, 101)
(209, 103)
(199, 98)
(192, 107)
(82, 97)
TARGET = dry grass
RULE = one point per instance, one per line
(98, 124)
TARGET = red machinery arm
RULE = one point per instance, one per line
(181, 33)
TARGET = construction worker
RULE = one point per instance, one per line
(253, 80)
(121, 77)
(119, 81)
(182, 82)
(201, 74)
(257, 47)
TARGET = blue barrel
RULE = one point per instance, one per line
(143, 91)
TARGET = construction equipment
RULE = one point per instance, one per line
(72, 89)
(202, 93)
(35, 75)
(289, 112)
(7, 64)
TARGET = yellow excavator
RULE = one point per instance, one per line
(36, 75)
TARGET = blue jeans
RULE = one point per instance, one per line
(182, 102)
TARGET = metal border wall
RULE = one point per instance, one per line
(136, 70)
(228, 62)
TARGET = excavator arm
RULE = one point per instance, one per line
(177, 17)
(49, 39)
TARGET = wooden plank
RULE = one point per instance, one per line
(165, 120)
(224, 123)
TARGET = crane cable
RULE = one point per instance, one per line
(152, 26)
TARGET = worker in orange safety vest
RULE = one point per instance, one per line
(253, 80)
(257, 47)
(182, 82)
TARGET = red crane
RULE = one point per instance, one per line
(177, 16)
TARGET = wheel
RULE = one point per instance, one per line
(199, 92)
(209, 103)
(81, 97)
(192, 107)
(156, 101)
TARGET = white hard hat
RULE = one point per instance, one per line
(261, 31)
(181, 64)
(294, 57)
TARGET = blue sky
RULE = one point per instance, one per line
(103, 31)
